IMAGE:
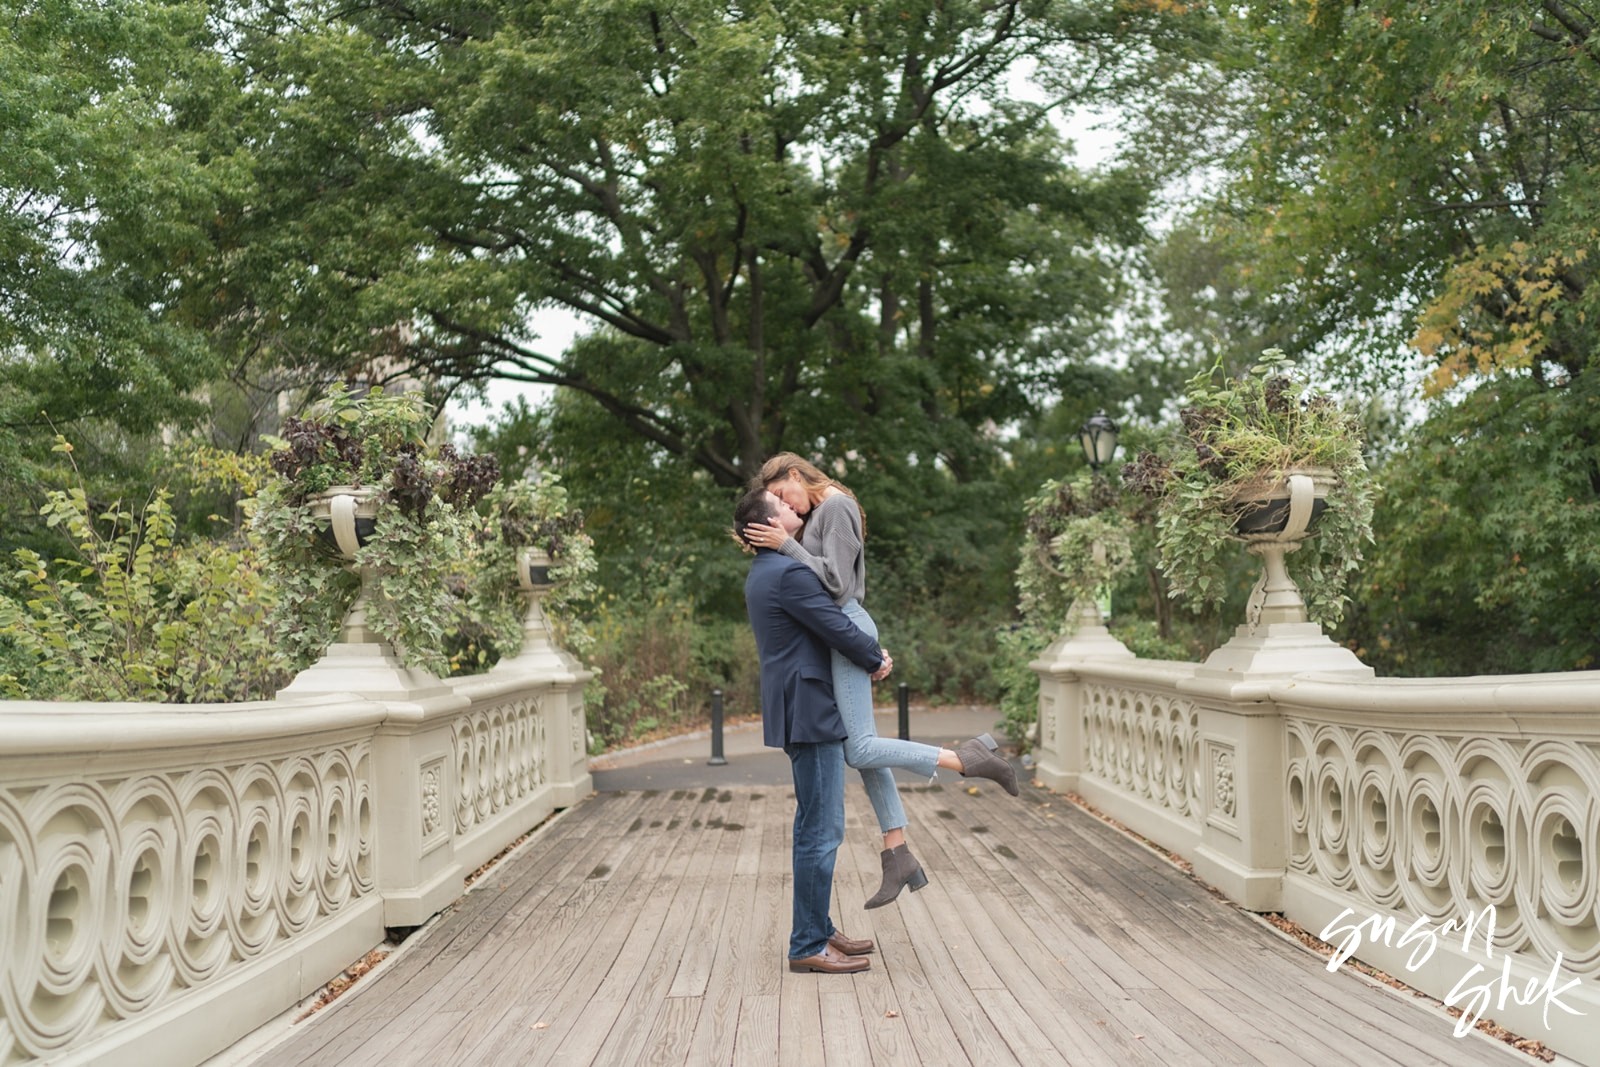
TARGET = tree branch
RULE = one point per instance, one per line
(495, 348)
(1484, 205)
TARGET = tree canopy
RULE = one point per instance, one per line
(1424, 177)
(850, 230)
(826, 225)
(103, 186)
(1418, 188)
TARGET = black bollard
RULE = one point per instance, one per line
(716, 759)
(905, 712)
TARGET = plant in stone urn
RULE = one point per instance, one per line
(1077, 541)
(534, 562)
(1269, 461)
(366, 521)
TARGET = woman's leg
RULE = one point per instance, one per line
(852, 687)
(864, 749)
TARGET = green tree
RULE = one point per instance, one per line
(103, 184)
(826, 227)
(1477, 568)
(1417, 189)
(131, 611)
(1424, 179)
(107, 181)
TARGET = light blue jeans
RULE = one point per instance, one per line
(864, 750)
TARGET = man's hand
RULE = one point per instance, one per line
(888, 665)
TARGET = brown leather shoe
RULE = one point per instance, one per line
(830, 962)
(850, 946)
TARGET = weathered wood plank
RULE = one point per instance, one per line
(909, 987)
(671, 1032)
(1216, 1032)
(552, 870)
(1022, 1034)
(698, 874)
(757, 1034)
(843, 1039)
(931, 933)
(1172, 971)
(1033, 978)
(645, 929)
(564, 988)
(537, 871)
(800, 1024)
(705, 926)
(745, 950)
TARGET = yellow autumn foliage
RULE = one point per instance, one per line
(1493, 312)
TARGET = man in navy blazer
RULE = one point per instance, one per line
(796, 622)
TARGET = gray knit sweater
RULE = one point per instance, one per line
(831, 545)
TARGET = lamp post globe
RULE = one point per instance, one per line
(1099, 440)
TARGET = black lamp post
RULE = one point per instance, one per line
(1099, 440)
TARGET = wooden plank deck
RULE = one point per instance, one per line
(650, 927)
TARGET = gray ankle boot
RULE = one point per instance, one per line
(978, 760)
(900, 869)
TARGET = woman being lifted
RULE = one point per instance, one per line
(832, 544)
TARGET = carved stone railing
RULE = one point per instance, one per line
(1138, 742)
(1444, 831)
(173, 877)
(1447, 800)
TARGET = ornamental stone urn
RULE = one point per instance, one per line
(1272, 521)
(539, 650)
(359, 661)
(1278, 636)
(346, 516)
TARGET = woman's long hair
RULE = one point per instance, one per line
(781, 465)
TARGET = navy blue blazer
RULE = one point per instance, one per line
(796, 622)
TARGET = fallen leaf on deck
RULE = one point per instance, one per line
(973, 791)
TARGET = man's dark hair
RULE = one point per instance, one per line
(754, 507)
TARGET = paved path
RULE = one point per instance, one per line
(648, 927)
(681, 762)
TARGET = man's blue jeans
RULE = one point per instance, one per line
(818, 833)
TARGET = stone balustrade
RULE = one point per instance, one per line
(172, 877)
(1445, 831)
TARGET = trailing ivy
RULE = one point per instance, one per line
(426, 524)
(533, 513)
(1241, 437)
(1078, 541)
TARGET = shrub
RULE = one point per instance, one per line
(137, 614)
(660, 663)
(1018, 645)
(945, 655)
(529, 514)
